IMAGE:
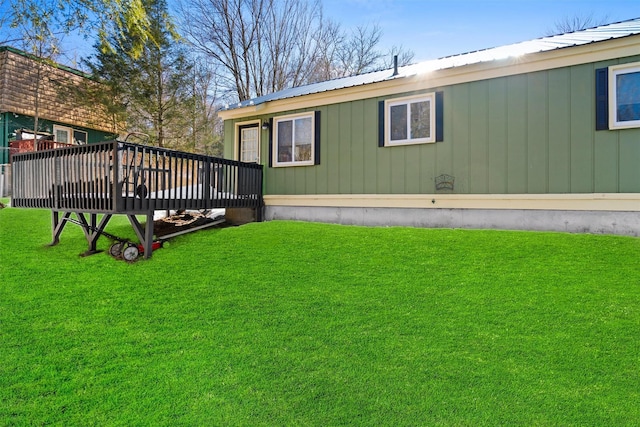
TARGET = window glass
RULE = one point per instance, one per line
(420, 119)
(294, 140)
(628, 97)
(303, 139)
(79, 137)
(249, 144)
(285, 140)
(398, 122)
(61, 135)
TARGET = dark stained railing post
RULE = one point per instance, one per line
(116, 201)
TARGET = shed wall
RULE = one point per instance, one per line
(22, 77)
(10, 122)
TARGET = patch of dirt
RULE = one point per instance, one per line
(2, 206)
(183, 221)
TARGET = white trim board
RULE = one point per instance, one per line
(579, 202)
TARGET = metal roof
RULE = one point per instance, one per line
(544, 44)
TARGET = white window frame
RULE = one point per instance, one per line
(293, 118)
(408, 100)
(236, 141)
(614, 72)
(67, 129)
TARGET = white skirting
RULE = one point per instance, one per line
(586, 213)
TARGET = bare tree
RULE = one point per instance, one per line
(287, 46)
(358, 53)
(577, 22)
(265, 46)
(199, 127)
(329, 38)
(225, 31)
(405, 57)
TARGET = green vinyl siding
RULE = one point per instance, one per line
(383, 171)
(536, 130)
(607, 153)
(516, 178)
(531, 133)
(478, 138)
(356, 154)
(460, 134)
(582, 129)
(443, 158)
(398, 170)
(497, 134)
(370, 154)
(559, 131)
(330, 148)
(345, 144)
(629, 161)
(319, 184)
(427, 168)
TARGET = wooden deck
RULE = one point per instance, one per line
(118, 177)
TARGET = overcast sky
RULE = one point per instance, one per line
(437, 28)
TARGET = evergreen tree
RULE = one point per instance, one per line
(149, 90)
(51, 20)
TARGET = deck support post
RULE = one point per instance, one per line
(144, 233)
(93, 230)
(57, 225)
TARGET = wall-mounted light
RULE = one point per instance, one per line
(266, 125)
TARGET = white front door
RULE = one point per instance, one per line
(249, 143)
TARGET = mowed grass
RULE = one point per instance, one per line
(288, 323)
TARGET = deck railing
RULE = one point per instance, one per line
(120, 177)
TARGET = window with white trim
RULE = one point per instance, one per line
(294, 140)
(62, 134)
(69, 135)
(410, 120)
(624, 96)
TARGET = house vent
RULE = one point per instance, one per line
(444, 182)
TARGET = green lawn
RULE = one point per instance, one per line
(287, 323)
